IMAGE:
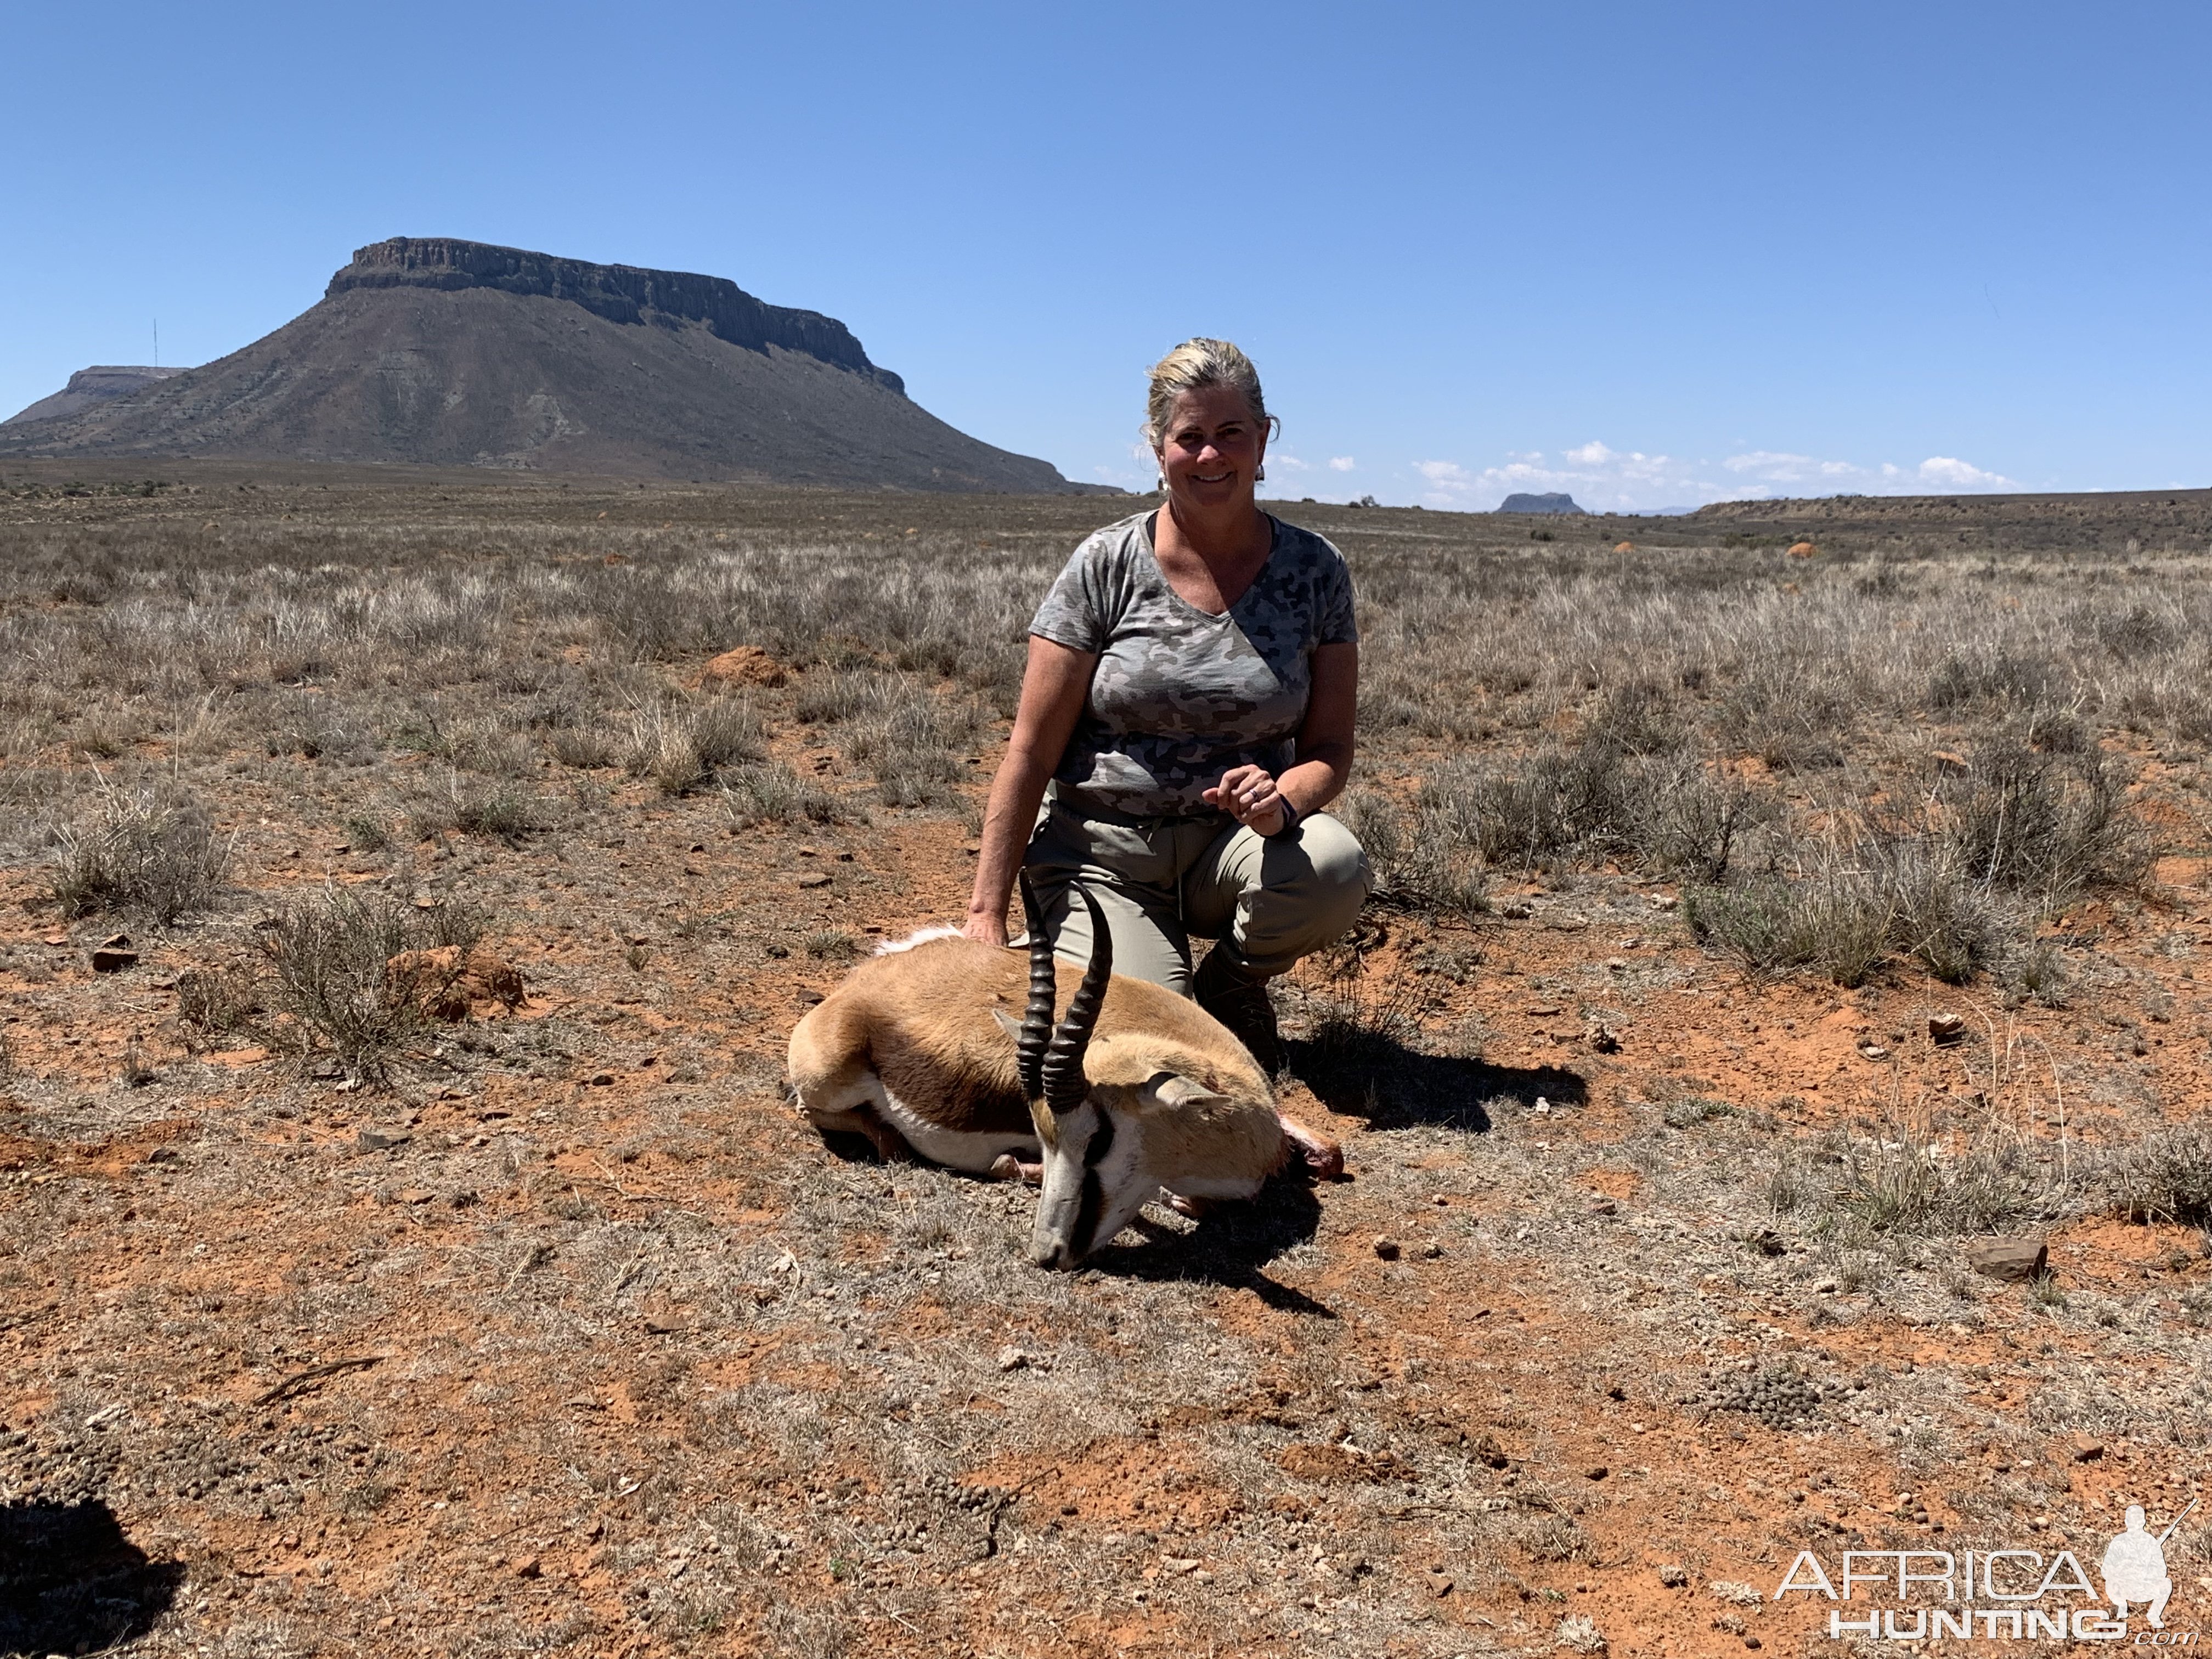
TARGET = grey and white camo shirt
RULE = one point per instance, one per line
(1180, 696)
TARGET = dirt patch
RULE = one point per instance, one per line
(566, 1336)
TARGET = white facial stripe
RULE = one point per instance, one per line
(1123, 1180)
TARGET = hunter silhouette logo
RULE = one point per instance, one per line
(2003, 1594)
(2134, 1567)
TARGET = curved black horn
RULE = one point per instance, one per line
(1037, 1019)
(1065, 1084)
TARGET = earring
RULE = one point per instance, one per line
(1260, 474)
(1163, 484)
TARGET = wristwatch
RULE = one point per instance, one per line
(1290, 814)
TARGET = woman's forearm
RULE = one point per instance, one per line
(1053, 686)
(1016, 794)
(1317, 778)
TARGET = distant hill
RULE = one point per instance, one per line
(89, 387)
(1538, 504)
(451, 352)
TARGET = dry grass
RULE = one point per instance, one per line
(153, 854)
(731, 1391)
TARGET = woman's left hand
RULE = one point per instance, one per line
(1248, 794)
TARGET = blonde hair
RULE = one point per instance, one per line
(1191, 366)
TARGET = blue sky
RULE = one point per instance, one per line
(1654, 255)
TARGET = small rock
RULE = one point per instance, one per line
(56, 939)
(379, 1140)
(1604, 1039)
(2086, 1450)
(1946, 1028)
(662, 1325)
(414, 1195)
(815, 878)
(1596, 1471)
(1673, 1575)
(1179, 1563)
(2010, 1260)
(585, 1402)
(1874, 1051)
(1605, 1206)
(1012, 1359)
(1826, 1287)
(113, 959)
(529, 1567)
(602, 1079)
(1386, 1247)
(1616, 965)
(1432, 1250)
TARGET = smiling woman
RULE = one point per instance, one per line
(1186, 714)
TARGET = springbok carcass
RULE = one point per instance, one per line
(1116, 1087)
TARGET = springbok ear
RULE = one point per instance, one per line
(1179, 1093)
(1007, 1023)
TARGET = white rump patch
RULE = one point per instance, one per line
(893, 946)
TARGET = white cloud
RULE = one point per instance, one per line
(1606, 479)
(1958, 475)
(1597, 474)
(1341, 462)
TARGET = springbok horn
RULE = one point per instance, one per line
(1037, 1019)
(1065, 1085)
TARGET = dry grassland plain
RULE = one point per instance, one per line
(405, 1247)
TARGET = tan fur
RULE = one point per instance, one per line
(922, 1020)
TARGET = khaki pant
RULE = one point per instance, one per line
(1268, 900)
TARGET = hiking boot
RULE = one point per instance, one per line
(1244, 1005)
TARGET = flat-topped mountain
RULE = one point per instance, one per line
(442, 352)
(1526, 503)
(89, 387)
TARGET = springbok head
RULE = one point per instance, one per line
(1091, 1125)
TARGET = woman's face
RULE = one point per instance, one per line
(1212, 449)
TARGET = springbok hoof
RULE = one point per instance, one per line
(1195, 1208)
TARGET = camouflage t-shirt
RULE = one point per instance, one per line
(1180, 696)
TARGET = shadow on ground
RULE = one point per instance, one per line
(1395, 1087)
(71, 1582)
(1231, 1245)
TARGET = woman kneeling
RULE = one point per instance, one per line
(1186, 713)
